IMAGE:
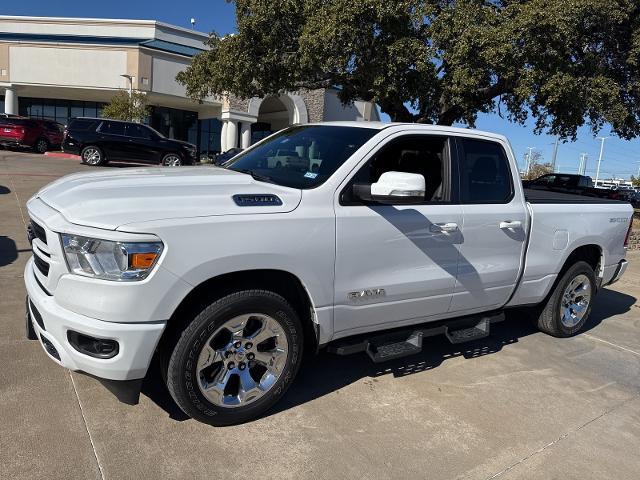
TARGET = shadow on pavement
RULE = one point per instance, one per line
(8, 251)
(326, 373)
(4, 190)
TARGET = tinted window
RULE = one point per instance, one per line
(138, 131)
(113, 128)
(319, 150)
(485, 173)
(78, 124)
(422, 154)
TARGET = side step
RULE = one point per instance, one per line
(402, 343)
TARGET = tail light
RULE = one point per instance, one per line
(626, 239)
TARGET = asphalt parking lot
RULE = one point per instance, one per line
(518, 404)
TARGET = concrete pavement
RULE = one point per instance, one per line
(519, 404)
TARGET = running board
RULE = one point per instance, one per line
(402, 343)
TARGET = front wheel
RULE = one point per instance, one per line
(567, 308)
(236, 358)
(92, 155)
(171, 160)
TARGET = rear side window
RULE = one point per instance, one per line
(82, 124)
(485, 173)
(112, 128)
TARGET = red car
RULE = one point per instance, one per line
(22, 132)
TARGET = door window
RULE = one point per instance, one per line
(138, 131)
(427, 155)
(113, 128)
(485, 173)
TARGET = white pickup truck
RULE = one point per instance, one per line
(228, 274)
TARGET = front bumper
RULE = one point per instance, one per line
(137, 341)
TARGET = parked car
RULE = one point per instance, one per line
(568, 183)
(222, 158)
(100, 140)
(420, 229)
(36, 134)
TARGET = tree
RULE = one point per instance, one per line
(635, 181)
(537, 167)
(127, 107)
(439, 61)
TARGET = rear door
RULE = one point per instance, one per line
(494, 229)
(397, 264)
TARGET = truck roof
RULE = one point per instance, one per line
(414, 126)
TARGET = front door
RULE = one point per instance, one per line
(397, 264)
(494, 227)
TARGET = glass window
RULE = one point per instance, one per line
(274, 161)
(426, 155)
(485, 173)
(138, 131)
(113, 128)
(49, 111)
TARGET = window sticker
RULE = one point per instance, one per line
(310, 175)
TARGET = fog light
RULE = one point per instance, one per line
(94, 347)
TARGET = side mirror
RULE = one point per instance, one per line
(393, 187)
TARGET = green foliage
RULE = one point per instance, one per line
(635, 181)
(566, 63)
(125, 107)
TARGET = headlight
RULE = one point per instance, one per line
(120, 261)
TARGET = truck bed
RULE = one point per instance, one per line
(547, 196)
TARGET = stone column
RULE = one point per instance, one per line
(246, 135)
(223, 137)
(10, 101)
(232, 134)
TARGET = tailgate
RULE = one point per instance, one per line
(11, 132)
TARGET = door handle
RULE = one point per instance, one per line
(443, 227)
(510, 224)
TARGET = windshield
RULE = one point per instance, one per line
(303, 156)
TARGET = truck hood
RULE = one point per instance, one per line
(114, 198)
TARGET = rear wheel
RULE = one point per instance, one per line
(567, 308)
(41, 145)
(236, 358)
(92, 155)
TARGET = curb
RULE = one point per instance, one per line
(62, 155)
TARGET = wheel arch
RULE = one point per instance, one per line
(282, 282)
(590, 253)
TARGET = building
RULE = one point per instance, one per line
(59, 68)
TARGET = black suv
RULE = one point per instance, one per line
(99, 140)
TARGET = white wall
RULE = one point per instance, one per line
(68, 66)
(164, 75)
(335, 111)
(69, 26)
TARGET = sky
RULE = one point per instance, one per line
(621, 158)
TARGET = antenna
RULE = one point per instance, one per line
(193, 22)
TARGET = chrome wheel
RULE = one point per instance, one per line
(41, 146)
(242, 360)
(171, 160)
(91, 156)
(575, 301)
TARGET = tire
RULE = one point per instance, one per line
(549, 318)
(205, 373)
(92, 155)
(171, 160)
(41, 145)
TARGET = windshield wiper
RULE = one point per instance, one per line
(254, 175)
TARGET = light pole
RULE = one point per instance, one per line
(602, 139)
(529, 160)
(130, 78)
(555, 154)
